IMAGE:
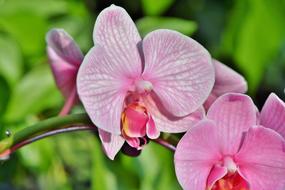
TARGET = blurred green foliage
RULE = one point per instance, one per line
(248, 35)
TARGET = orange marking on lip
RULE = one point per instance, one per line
(231, 182)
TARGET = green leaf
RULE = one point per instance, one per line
(42, 160)
(157, 168)
(101, 177)
(28, 29)
(34, 93)
(254, 38)
(44, 8)
(4, 97)
(10, 60)
(148, 24)
(157, 7)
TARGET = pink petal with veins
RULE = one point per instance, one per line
(233, 114)
(116, 32)
(64, 73)
(101, 91)
(111, 143)
(166, 122)
(65, 58)
(227, 80)
(273, 114)
(64, 46)
(180, 70)
(261, 159)
(196, 154)
(109, 68)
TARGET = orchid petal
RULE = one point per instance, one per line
(133, 142)
(116, 32)
(168, 123)
(227, 80)
(151, 130)
(192, 175)
(63, 72)
(64, 46)
(111, 143)
(210, 100)
(216, 173)
(196, 154)
(134, 120)
(100, 91)
(233, 114)
(261, 159)
(273, 114)
(180, 70)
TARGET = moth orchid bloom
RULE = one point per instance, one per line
(229, 151)
(226, 81)
(133, 89)
(65, 57)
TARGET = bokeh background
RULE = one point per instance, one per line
(247, 35)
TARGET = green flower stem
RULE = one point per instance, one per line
(42, 127)
(50, 124)
(53, 126)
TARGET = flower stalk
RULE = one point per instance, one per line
(53, 126)
(43, 127)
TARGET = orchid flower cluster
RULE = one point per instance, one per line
(134, 89)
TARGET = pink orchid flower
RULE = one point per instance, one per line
(65, 57)
(232, 150)
(226, 80)
(133, 89)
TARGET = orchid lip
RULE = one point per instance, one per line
(137, 125)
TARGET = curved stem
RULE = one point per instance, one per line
(52, 127)
(69, 103)
(165, 144)
(6, 153)
(42, 127)
(50, 124)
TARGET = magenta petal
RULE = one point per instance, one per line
(180, 70)
(111, 143)
(227, 80)
(100, 91)
(63, 72)
(151, 130)
(216, 173)
(134, 121)
(133, 142)
(116, 32)
(64, 46)
(168, 123)
(196, 154)
(261, 159)
(65, 58)
(273, 114)
(233, 114)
